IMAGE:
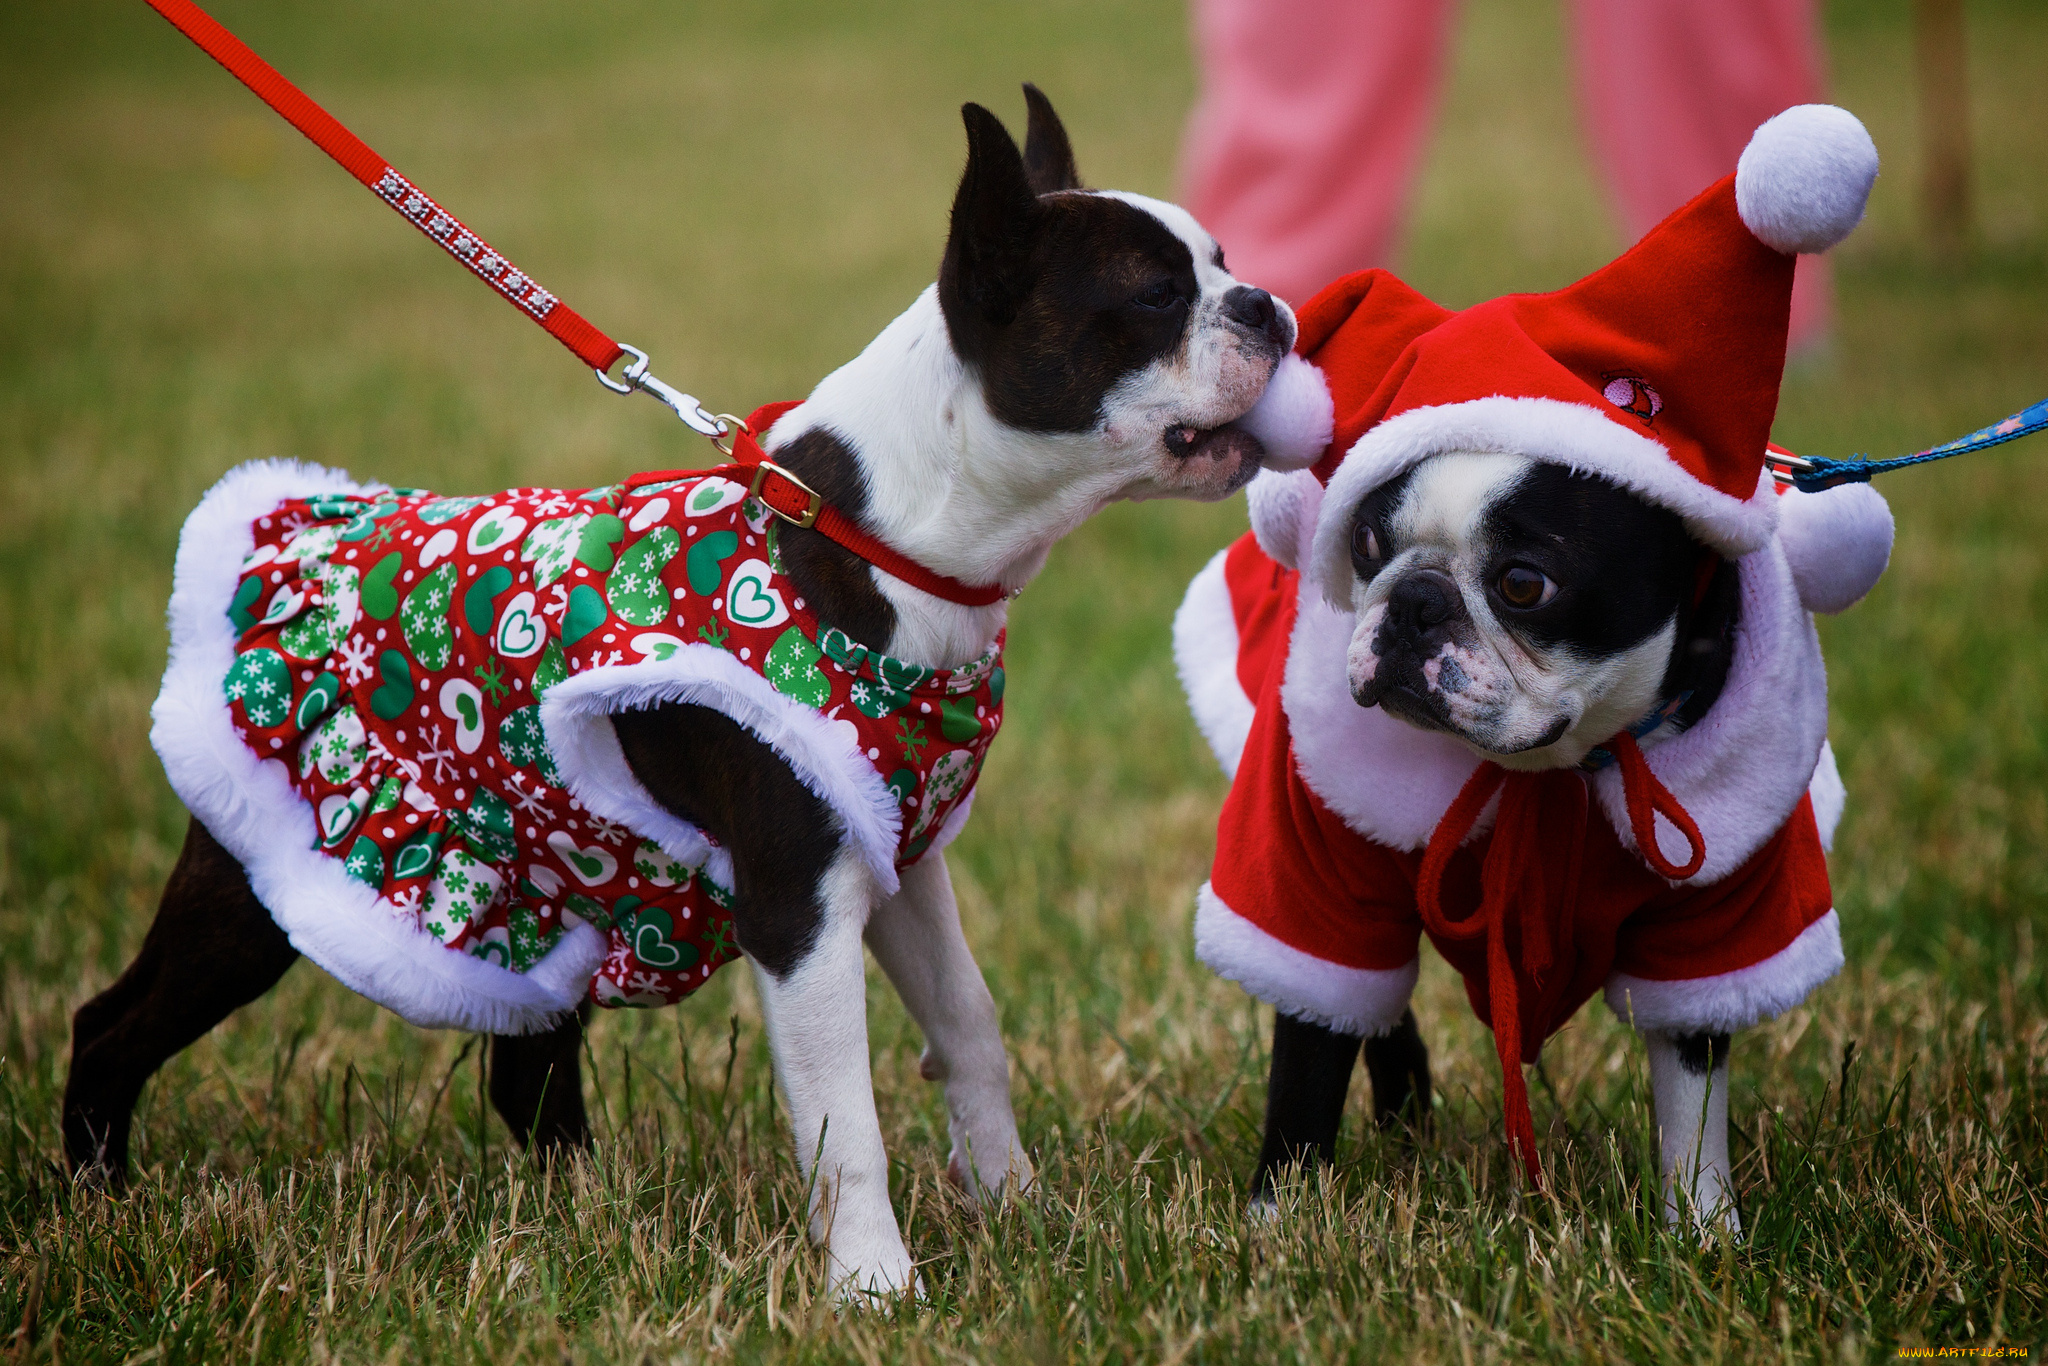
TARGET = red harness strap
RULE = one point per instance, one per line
(797, 502)
(563, 323)
(1535, 821)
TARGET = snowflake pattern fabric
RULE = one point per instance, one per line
(393, 651)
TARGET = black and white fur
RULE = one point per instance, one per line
(1532, 613)
(1079, 347)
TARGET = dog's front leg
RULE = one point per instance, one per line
(818, 1029)
(1689, 1085)
(916, 938)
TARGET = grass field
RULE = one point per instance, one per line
(750, 191)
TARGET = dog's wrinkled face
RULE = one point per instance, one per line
(1104, 314)
(1526, 610)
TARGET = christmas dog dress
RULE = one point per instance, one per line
(394, 708)
(1687, 877)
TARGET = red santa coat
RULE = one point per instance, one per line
(1687, 878)
(1312, 901)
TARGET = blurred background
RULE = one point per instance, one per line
(750, 191)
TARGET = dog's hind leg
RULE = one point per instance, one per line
(915, 936)
(1305, 1091)
(537, 1086)
(212, 948)
(1689, 1086)
(1398, 1063)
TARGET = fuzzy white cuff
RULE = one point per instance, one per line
(577, 717)
(1733, 1000)
(1357, 1001)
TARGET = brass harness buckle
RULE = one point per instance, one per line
(809, 514)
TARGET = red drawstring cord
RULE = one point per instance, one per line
(1511, 883)
(1648, 799)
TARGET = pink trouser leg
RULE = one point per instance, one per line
(1671, 91)
(1302, 151)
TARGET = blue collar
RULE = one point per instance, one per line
(1597, 758)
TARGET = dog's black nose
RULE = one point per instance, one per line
(1424, 599)
(1254, 308)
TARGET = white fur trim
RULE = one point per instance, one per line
(1205, 652)
(1829, 795)
(1739, 773)
(1744, 767)
(1293, 419)
(1282, 505)
(1733, 1000)
(1838, 542)
(1804, 178)
(1357, 1001)
(1579, 437)
(250, 806)
(825, 754)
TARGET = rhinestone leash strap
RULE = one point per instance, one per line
(562, 322)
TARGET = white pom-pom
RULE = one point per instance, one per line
(1294, 417)
(1283, 506)
(1837, 542)
(1804, 178)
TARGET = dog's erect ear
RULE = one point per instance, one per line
(1048, 156)
(995, 219)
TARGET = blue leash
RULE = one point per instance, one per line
(1811, 474)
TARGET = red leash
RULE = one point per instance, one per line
(789, 497)
(563, 323)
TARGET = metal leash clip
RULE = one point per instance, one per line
(695, 415)
(1787, 468)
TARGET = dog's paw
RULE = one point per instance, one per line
(877, 1272)
(991, 1180)
(1708, 1211)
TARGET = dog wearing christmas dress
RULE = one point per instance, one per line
(486, 758)
(1520, 656)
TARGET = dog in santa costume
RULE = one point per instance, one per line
(1520, 655)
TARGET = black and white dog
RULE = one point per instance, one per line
(1079, 347)
(1535, 672)
(1525, 613)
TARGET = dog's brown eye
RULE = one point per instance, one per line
(1521, 586)
(1158, 295)
(1364, 544)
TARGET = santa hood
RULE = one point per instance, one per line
(1659, 372)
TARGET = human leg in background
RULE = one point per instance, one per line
(1671, 91)
(1301, 153)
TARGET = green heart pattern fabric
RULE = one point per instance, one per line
(392, 652)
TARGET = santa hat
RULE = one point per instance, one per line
(1659, 372)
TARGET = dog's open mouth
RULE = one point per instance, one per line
(1184, 442)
